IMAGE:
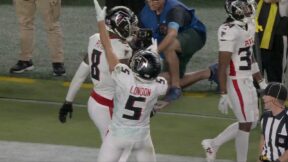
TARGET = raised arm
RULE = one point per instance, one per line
(111, 57)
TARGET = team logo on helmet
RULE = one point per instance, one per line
(121, 21)
(145, 64)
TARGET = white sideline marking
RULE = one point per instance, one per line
(35, 152)
(81, 105)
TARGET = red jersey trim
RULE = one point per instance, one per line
(103, 101)
(237, 89)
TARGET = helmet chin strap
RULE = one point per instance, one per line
(248, 20)
(141, 79)
(129, 39)
(240, 22)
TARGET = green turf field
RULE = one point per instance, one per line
(29, 110)
(179, 129)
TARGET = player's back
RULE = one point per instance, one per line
(99, 69)
(238, 39)
(133, 103)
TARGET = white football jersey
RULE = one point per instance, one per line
(239, 40)
(99, 68)
(133, 103)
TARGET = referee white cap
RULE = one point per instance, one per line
(277, 90)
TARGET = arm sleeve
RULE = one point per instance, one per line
(226, 39)
(178, 17)
(79, 77)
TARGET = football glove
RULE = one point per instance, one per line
(66, 109)
(262, 84)
(153, 113)
(223, 104)
(160, 105)
(154, 46)
(100, 13)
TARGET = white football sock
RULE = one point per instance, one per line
(229, 133)
(242, 144)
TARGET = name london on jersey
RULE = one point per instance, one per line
(139, 91)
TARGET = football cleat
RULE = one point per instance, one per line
(209, 150)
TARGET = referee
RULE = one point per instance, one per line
(274, 124)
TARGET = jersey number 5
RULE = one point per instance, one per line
(130, 106)
(95, 62)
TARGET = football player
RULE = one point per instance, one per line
(137, 89)
(120, 22)
(236, 71)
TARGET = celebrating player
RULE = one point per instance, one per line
(236, 69)
(137, 89)
(100, 103)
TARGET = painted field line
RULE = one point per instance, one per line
(84, 106)
(18, 80)
(84, 85)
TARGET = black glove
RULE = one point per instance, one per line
(66, 109)
(142, 40)
(153, 113)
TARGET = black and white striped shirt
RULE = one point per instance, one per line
(274, 130)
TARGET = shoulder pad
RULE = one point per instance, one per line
(161, 80)
(226, 33)
(122, 68)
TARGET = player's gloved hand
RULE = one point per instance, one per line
(153, 47)
(100, 13)
(160, 105)
(262, 84)
(66, 109)
(223, 104)
(153, 113)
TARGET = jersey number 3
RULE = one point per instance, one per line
(245, 56)
(95, 62)
(130, 106)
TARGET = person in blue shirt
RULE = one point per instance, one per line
(179, 33)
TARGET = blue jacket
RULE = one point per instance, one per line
(150, 20)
